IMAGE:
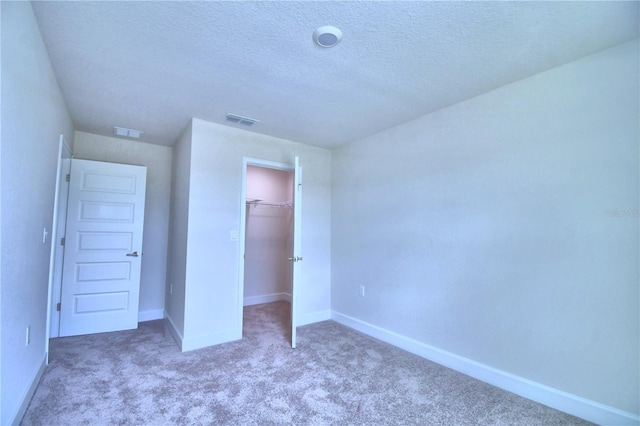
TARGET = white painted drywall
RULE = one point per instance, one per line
(34, 115)
(157, 159)
(178, 226)
(212, 288)
(268, 235)
(504, 229)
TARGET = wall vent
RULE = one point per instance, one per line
(127, 133)
(234, 118)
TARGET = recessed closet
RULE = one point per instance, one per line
(268, 235)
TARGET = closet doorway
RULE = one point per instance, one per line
(270, 237)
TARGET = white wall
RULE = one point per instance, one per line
(268, 236)
(157, 159)
(34, 115)
(212, 290)
(486, 229)
(178, 227)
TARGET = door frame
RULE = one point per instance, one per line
(250, 161)
(58, 222)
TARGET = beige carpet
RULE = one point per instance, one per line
(336, 376)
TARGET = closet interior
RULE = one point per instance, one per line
(268, 236)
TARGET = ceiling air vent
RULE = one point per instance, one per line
(128, 133)
(234, 118)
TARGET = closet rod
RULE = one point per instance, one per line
(257, 202)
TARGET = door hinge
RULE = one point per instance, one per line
(68, 178)
(62, 241)
(58, 307)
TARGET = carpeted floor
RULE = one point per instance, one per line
(336, 376)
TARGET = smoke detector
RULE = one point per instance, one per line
(327, 36)
(239, 119)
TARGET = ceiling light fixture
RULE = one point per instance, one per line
(327, 36)
(127, 133)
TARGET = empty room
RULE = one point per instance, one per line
(320, 212)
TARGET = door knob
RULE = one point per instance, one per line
(295, 259)
(134, 254)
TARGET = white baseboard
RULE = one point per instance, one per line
(554, 398)
(177, 335)
(303, 319)
(26, 397)
(266, 298)
(150, 315)
(191, 343)
(314, 317)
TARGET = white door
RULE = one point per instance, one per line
(103, 248)
(297, 247)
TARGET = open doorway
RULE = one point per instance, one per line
(268, 235)
(268, 241)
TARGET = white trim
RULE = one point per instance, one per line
(150, 315)
(267, 298)
(313, 317)
(304, 319)
(554, 398)
(250, 161)
(202, 341)
(26, 397)
(177, 335)
(205, 340)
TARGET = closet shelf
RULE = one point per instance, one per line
(255, 202)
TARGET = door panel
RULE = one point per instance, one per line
(101, 268)
(95, 303)
(104, 241)
(107, 183)
(101, 211)
(104, 271)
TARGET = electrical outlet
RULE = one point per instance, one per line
(45, 234)
(28, 337)
(171, 288)
(361, 291)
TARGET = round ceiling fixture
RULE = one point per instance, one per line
(327, 36)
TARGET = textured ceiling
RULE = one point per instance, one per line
(153, 65)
